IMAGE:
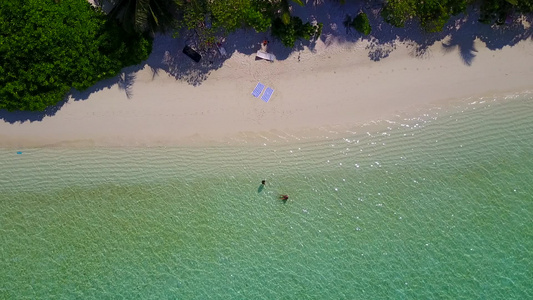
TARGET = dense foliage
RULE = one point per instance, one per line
(496, 11)
(295, 29)
(49, 46)
(211, 17)
(433, 14)
(219, 17)
(362, 24)
(145, 16)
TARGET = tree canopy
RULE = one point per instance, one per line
(433, 14)
(49, 46)
(145, 16)
(209, 17)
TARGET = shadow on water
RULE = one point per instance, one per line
(459, 34)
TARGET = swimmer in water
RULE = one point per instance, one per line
(261, 186)
(284, 198)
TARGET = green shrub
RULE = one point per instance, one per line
(432, 14)
(48, 47)
(362, 24)
(294, 30)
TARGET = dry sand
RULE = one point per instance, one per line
(339, 82)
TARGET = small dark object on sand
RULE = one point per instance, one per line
(192, 54)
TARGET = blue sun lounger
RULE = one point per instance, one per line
(268, 93)
(258, 89)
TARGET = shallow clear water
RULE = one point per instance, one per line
(438, 206)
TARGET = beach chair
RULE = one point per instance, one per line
(264, 55)
(268, 93)
(258, 89)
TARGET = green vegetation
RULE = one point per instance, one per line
(432, 14)
(289, 28)
(145, 16)
(496, 11)
(295, 29)
(208, 18)
(221, 17)
(49, 46)
(361, 24)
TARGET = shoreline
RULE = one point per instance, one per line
(272, 137)
(333, 85)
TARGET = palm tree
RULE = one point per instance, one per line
(145, 16)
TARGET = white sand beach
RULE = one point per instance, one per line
(339, 82)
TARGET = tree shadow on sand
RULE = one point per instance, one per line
(124, 81)
(459, 33)
(168, 56)
(30, 116)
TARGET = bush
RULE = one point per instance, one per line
(294, 30)
(48, 47)
(432, 14)
(362, 24)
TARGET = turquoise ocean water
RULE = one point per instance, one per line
(434, 207)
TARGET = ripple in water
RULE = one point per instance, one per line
(432, 207)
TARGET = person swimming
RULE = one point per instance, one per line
(261, 186)
(284, 198)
